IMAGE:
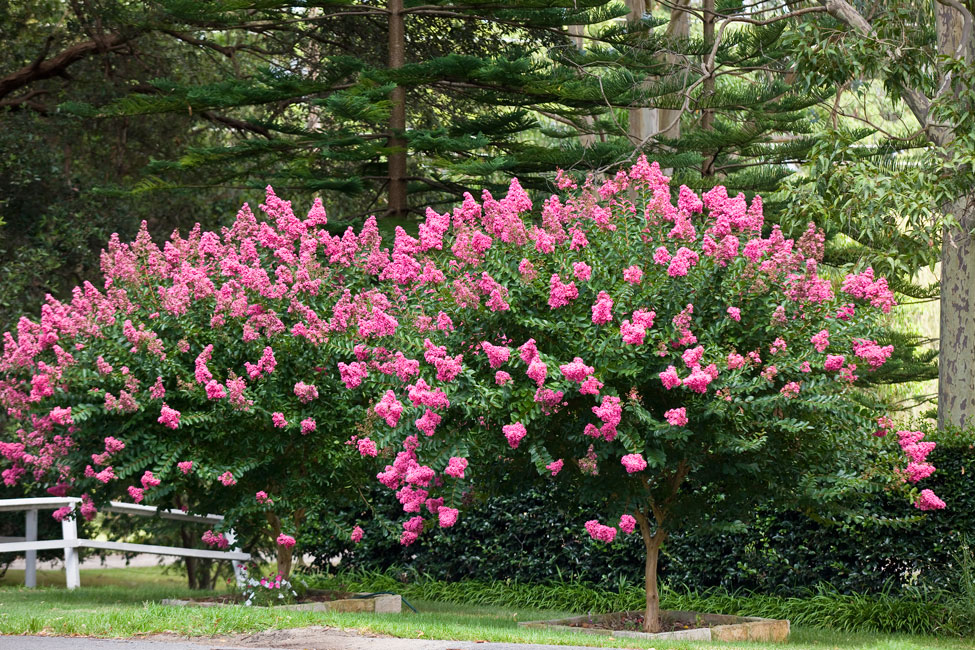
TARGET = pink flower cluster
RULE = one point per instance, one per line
(599, 532)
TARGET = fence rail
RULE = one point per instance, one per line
(29, 544)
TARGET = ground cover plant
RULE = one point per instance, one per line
(676, 360)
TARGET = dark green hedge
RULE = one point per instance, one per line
(532, 536)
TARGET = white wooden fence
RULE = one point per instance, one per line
(70, 543)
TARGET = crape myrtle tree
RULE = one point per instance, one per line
(671, 359)
(198, 375)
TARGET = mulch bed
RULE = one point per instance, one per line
(632, 622)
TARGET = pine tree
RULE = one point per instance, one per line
(409, 104)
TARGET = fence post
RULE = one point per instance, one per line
(239, 572)
(30, 557)
(69, 531)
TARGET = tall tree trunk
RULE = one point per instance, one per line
(707, 115)
(396, 205)
(575, 33)
(652, 542)
(956, 363)
(956, 357)
(643, 122)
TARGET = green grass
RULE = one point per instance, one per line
(113, 608)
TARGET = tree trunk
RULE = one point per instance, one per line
(652, 542)
(283, 554)
(956, 357)
(707, 115)
(575, 33)
(396, 204)
(643, 122)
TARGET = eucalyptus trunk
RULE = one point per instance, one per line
(956, 364)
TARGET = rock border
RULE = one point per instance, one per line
(721, 627)
(378, 604)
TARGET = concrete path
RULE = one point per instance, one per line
(308, 638)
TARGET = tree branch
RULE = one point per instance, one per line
(56, 65)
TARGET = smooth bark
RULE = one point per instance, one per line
(652, 541)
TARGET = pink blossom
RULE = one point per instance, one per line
(669, 378)
(537, 371)
(527, 270)
(769, 373)
(633, 463)
(735, 360)
(834, 362)
(427, 423)
(497, 355)
(447, 516)
(168, 417)
(692, 356)
(875, 355)
(734, 313)
(576, 371)
(561, 294)
(602, 310)
(113, 445)
(501, 378)
(929, 501)
(582, 271)
(644, 317)
(215, 390)
(627, 524)
(149, 481)
(600, 532)
(820, 340)
(791, 389)
(591, 386)
(455, 467)
(136, 493)
(863, 285)
(555, 466)
(805, 367)
(356, 535)
(366, 447)
(514, 433)
(632, 333)
(277, 419)
(305, 392)
(918, 471)
(308, 425)
(677, 417)
(262, 497)
(185, 466)
(286, 541)
(698, 381)
(777, 346)
(227, 479)
(633, 274)
(219, 539)
(389, 408)
(661, 255)
(353, 373)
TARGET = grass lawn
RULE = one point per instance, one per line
(124, 602)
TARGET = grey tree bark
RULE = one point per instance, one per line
(956, 357)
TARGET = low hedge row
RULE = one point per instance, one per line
(534, 537)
